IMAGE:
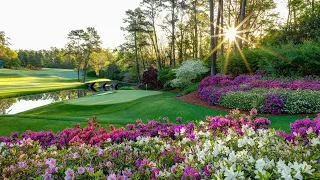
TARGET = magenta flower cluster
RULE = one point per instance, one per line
(212, 88)
(93, 134)
(274, 103)
(300, 129)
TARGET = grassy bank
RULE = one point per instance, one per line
(15, 83)
(146, 107)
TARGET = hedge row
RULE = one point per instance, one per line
(273, 101)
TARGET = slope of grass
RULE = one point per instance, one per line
(45, 72)
(25, 82)
(60, 115)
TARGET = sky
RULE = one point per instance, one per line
(41, 24)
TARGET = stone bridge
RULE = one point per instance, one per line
(108, 84)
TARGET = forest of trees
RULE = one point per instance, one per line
(165, 33)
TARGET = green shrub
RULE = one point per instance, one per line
(113, 72)
(302, 101)
(283, 60)
(243, 100)
(127, 88)
(236, 65)
(190, 89)
(297, 101)
(13, 63)
(165, 76)
(91, 73)
(128, 76)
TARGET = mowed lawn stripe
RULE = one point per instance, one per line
(114, 98)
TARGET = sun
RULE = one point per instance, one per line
(231, 33)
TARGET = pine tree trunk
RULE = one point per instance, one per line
(78, 75)
(156, 44)
(216, 38)
(173, 32)
(212, 44)
(84, 74)
(137, 62)
(221, 24)
(143, 63)
(195, 30)
(242, 14)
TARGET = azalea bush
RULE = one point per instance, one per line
(242, 100)
(273, 96)
(92, 134)
(188, 71)
(236, 146)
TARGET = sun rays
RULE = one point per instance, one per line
(232, 34)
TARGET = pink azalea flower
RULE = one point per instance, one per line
(112, 177)
(69, 174)
(81, 170)
(51, 162)
(75, 155)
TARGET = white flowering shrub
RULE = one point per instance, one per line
(188, 71)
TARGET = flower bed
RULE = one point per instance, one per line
(236, 146)
(274, 96)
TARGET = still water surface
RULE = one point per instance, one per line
(21, 104)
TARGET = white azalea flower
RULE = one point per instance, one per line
(307, 168)
(232, 157)
(184, 140)
(182, 131)
(260, 163)
(298, 176)
(230, 174)
(309, 131)
(315, 141)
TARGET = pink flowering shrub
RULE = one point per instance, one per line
(92, 134)
(236, 146)
(301, 129)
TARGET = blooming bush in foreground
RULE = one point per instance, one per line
(236, 146)
(91, 134)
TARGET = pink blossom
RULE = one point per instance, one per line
(81, 170)
(51, 162)
(69, 174)
(75, 155)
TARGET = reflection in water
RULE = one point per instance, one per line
(21, 104)
(5, 104)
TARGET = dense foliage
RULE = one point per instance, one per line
(165, 76)
(282, 60)
(265, 94)
(236, 146)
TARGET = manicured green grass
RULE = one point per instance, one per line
(45, 72)
(24, 82)
(114, 98)
(63, 114)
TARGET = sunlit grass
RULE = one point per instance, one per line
(23, 82)
(114, 98)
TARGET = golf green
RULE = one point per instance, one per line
(112, 98)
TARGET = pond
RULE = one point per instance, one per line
(20, 104)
